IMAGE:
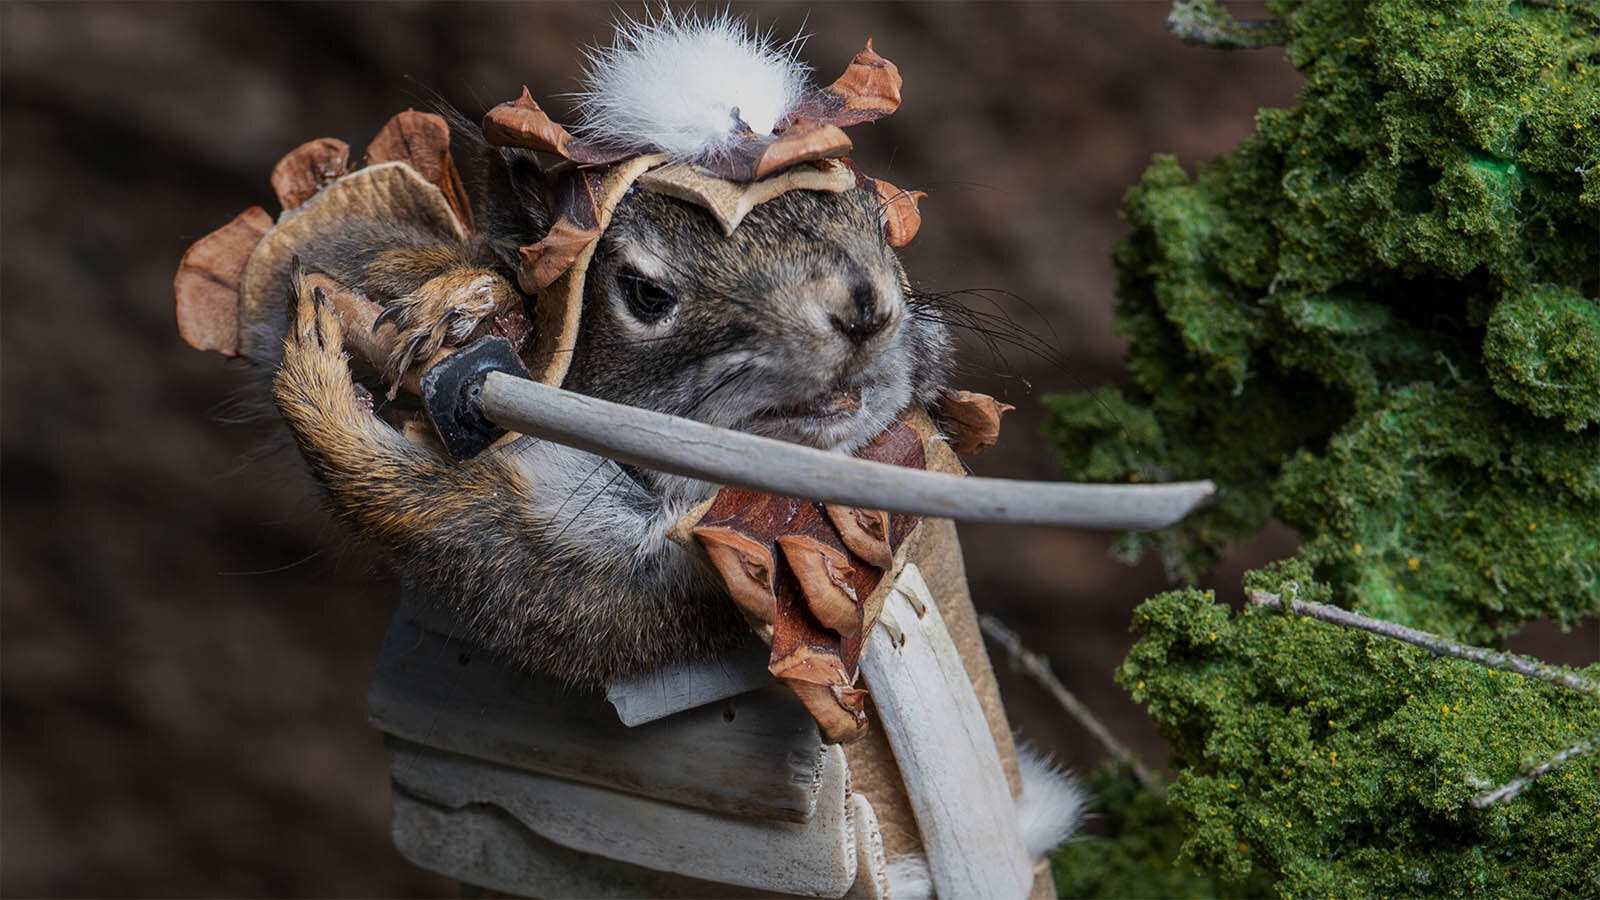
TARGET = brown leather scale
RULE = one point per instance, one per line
(809, 573)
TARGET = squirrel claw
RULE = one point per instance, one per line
(444, 311)
(389, 316)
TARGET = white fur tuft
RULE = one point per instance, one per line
(909, 878)
(682, 84)
(1051, 804)
(1048, 812)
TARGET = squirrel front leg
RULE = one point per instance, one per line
(543, 554)
(433, 297)
(389, 489)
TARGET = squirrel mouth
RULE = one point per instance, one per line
(820, 409)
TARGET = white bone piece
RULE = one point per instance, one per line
(872, 867)
(947, 757)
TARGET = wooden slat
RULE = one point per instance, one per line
(815, 859)
(947, 757)
(485, 847)
(872, 868)
(674, 689)
(755, 755)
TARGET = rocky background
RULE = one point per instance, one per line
(187, 639)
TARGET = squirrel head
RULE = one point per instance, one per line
(730, 265)
(795, 326)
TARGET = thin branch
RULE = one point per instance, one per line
(1511, 789)
(1204, 22)
(687, 447)
(1038, 668)
(1433, 643)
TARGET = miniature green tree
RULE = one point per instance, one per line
(1344, 764)
(1377, 321)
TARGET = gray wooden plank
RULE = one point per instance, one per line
(754, 755)
(665, 692)
(487, 847)
(814, 859)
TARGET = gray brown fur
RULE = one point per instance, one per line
(559, 559)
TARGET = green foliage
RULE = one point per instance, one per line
(1342, 764)
(1539, 351)
(1378, 320)
(1137, 856)
(1436, 510)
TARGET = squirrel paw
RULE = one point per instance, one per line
(444, 311)
(313, 383)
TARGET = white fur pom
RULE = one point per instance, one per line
(1051, 803)
(909, 878)
(1048, 812)
(687, 85)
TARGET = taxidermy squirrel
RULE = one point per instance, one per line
(796, 324)
(699, 246)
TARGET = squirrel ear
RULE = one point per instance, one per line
(523, 185)
(527, 172)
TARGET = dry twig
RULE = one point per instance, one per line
(1204, 22)
(1433, 643)
(1441, 646)
(1038, 668)
(636, 436)
(1511, 789)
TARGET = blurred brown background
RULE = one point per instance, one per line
(187, 640)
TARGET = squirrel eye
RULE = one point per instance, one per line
(648, 301)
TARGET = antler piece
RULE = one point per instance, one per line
(971, 420)
(207, 283)
(422, 141)
(902, 219)
(521, 123)
(300, 174)
(746, 567)
(869, 89)
(864, 531)
(824, 575)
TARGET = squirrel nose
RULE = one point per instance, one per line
(863, 319)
